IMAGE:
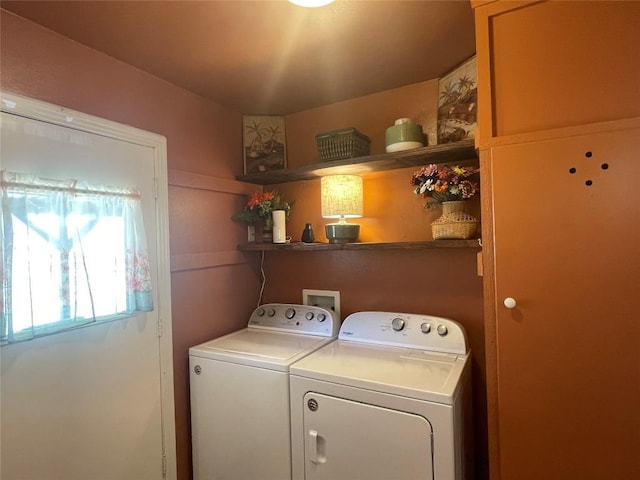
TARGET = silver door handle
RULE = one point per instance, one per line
(316, 449)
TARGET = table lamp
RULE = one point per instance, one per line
(341, 197)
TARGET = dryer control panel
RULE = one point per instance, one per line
(294, 318)
(420, 332)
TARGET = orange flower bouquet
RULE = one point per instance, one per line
(259, 208)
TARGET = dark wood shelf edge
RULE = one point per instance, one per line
(443, 153)
(311, 247)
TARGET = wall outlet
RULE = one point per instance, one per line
(328, 299)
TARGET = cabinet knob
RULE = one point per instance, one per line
(510, 302)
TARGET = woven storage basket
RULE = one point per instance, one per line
(344, 143)
(455, 225)
(454, 222)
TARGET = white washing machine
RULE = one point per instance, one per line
(240, 392)
(389, 400)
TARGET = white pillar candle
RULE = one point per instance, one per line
(279, 227)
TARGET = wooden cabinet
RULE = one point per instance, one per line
(554, 64)
(566, 241)
(559, 132)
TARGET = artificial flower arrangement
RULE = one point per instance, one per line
(260, 207)
(444, 183)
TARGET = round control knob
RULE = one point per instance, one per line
(290, 313)
(322, 317)
(425, 327)
(271, 312)
(397, 324)
(260, 312)
(442, 330)
(309, 316)
(510, 302)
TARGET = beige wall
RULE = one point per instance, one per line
(213, 286)
(202, 137)
(437, 282)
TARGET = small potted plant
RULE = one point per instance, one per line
(451, 187)
(259, 211)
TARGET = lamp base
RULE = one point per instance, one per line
(342, 232)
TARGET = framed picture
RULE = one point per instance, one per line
(458, 103)
(264, 143)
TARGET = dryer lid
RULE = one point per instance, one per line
(406, 372)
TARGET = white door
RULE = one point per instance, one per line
(89, 403)
(348, 440)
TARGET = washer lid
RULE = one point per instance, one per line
(406, 372)
(260, 348)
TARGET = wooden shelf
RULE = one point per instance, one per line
(445, 153)
(313, 247)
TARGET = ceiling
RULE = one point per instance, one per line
(270, 57)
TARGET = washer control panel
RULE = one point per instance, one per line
(422, 332)
(304, 319)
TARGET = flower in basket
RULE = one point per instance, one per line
(445, 183)
(260, 206)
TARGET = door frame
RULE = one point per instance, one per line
(38, 110)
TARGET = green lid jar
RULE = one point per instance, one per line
(404, 135)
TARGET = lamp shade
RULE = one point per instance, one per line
(311, 3)
(341, 196)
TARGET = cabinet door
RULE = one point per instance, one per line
(567, 249)
(544, 65)
(348, 440)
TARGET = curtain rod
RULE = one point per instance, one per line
(74, 190)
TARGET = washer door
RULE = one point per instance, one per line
(239, 421)
(348, 440)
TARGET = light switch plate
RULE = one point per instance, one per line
(329, 299)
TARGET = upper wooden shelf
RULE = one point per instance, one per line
(444, 153)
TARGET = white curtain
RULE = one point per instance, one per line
(71, 254)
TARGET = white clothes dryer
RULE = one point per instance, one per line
(389, 400)
(240, 392)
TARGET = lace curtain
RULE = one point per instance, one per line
(71, 254)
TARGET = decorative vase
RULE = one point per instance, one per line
(267, 235)
(307, 234)
(454, 223)
(267, 231)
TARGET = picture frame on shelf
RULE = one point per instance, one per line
(264, 143)
(458, 103)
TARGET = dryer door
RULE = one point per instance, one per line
(347, 440)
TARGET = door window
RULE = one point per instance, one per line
(72, 254)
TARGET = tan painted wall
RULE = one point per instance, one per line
(202, 137)
(392, 211)
(436, 282)
(213, 290)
